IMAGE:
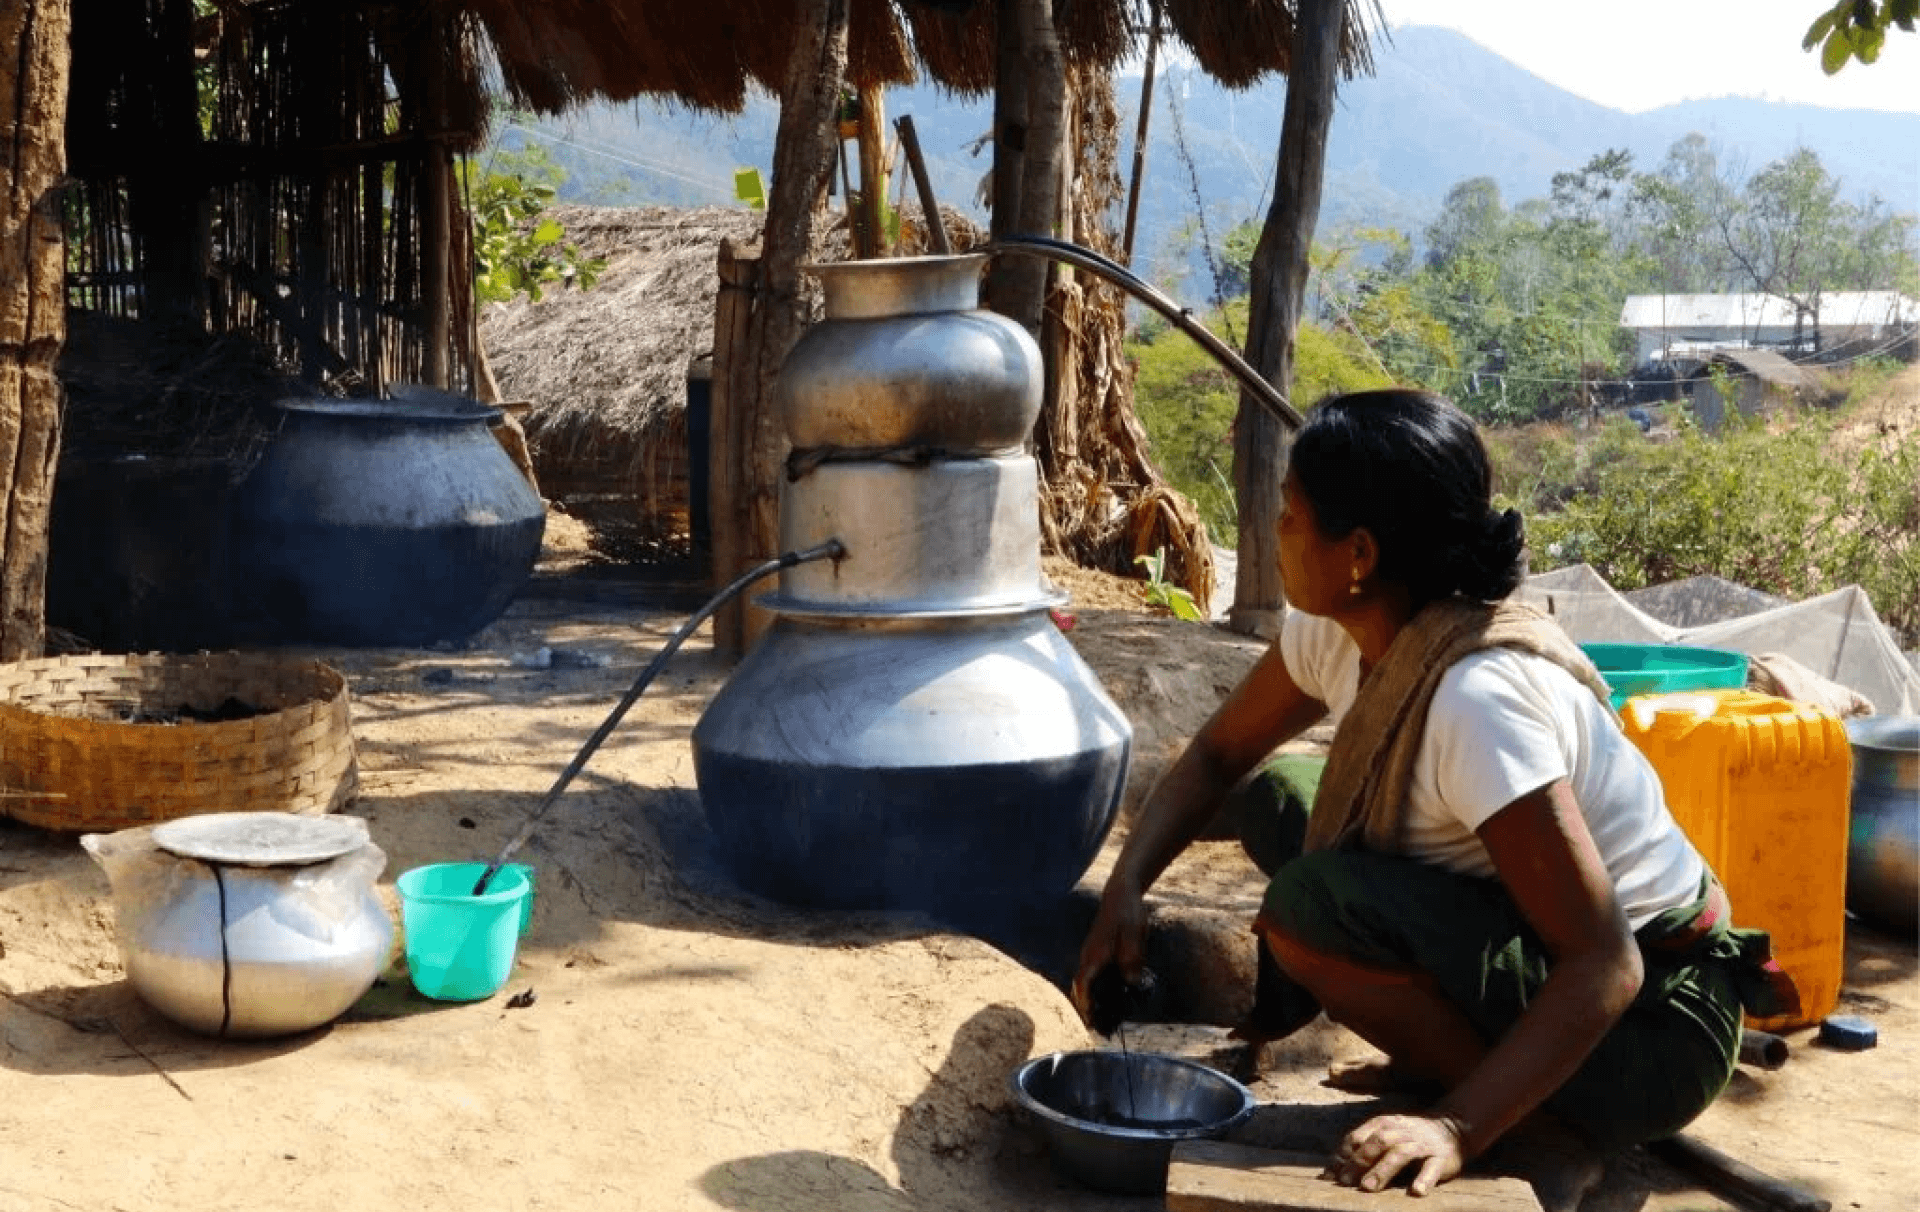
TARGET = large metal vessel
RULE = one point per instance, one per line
(914, 732)
(1883, 846)
(384, 522)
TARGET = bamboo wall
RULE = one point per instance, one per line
(264, 171)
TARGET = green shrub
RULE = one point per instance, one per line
(517, 248)
(1785, 511)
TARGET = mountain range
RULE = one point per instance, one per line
(1438, 109)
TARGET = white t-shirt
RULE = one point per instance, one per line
(1505, 723)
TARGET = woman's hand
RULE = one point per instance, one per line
(1266, 708)
(1373, 1154)
(1117, 936)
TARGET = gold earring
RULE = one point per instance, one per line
(1353, 590)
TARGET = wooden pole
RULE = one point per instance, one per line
(803, 153)
(854, 236)
(726, 445)
(936, 226)
(34, 65)
(1279, 290)
(1140, 138)
(1005, 275)
(873, 168)
(436, 220)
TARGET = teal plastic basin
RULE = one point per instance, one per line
(460, 947)
(1636, 669)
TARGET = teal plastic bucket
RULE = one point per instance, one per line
(1636, 669)
(460, 947)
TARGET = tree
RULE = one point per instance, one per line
(1856, 29)
(1672, 213)
(1470, 221)
(1029, 140)
(802, 152)
(1786, 234)
(1278, 290)
(34, 63)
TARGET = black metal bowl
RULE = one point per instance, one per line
(1112, 1118)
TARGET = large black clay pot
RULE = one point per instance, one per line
(384, 523)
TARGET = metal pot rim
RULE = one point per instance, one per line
(900, 286)
(1017, 1082)
(393, 410)
(1885, 733)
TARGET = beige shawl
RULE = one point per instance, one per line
(1363, 793)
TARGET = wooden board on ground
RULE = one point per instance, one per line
(1212, 1176)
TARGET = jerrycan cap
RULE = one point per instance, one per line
(1645, 708)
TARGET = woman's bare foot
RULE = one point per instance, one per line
(1375, 1075)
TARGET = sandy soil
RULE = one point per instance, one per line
(690, 1045)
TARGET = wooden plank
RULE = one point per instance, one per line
(1214, 1176)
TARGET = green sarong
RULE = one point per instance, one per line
(1667, 1057)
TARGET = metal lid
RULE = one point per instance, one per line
(261, 839)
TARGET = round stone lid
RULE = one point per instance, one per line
(261, 839)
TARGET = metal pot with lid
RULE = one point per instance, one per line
(248, 924)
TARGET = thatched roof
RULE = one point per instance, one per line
(606, 369)
(613, 360)
(561, 53)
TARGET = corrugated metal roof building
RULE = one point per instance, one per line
(1665, 325)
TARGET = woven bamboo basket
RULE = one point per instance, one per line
(70, 759)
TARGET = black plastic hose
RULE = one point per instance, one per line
(1270, 397)
(832, 549)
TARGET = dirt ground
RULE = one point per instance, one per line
(692, 1046)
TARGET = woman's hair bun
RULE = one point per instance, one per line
(1494, 565)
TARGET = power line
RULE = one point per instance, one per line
(711, 186)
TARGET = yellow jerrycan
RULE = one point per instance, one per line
(1761, 785)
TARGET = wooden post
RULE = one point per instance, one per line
(436, 220)
(726, 446)
(873, 168)
(1140, 137)
(1279, 289)
(34, 62)
(1006, 276)
(936, 226)
(802, 154)
(1019, 288)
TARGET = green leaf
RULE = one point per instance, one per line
(548, 232)
(1834, 55)
(1183, 606)
(1823, 25)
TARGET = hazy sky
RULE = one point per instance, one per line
(1640, 54)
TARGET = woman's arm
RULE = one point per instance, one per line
(1266, 709)
(1546, 857)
